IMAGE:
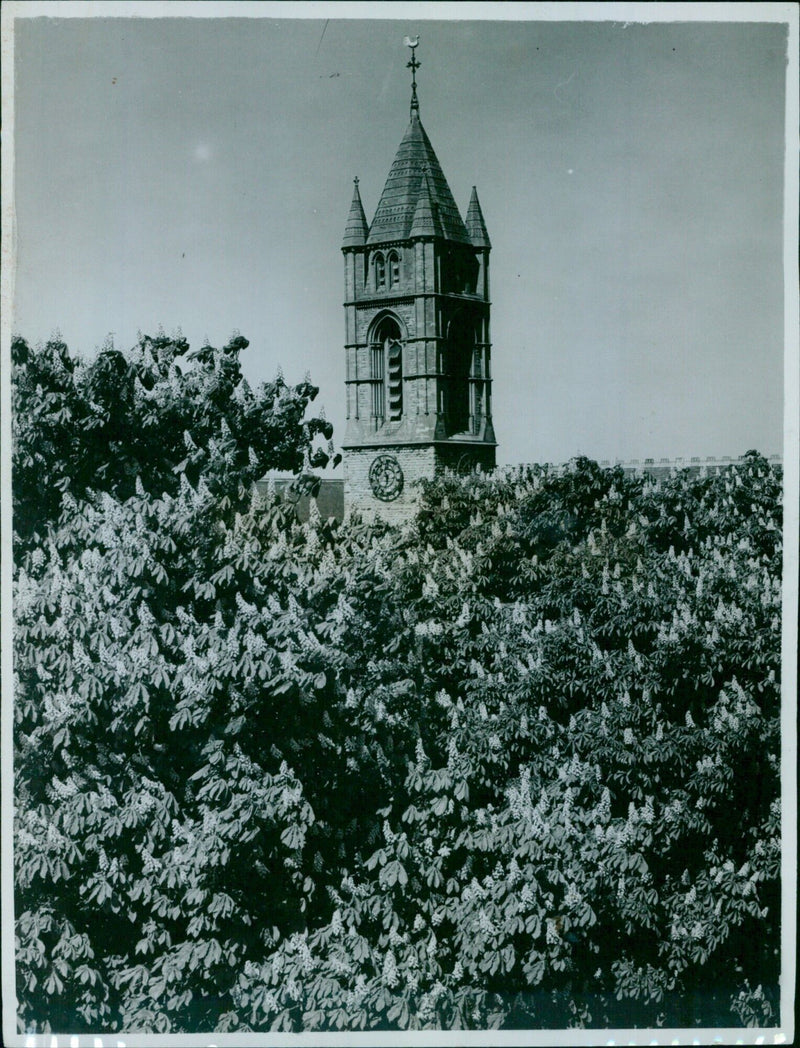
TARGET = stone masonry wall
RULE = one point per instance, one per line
(415, 462)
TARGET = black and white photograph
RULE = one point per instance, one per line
(399, 474)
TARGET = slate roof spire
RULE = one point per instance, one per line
(476, 227)
(414, 164)
(395, 211)
(416, 180)
(355, 232)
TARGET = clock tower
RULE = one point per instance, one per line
(417, 343)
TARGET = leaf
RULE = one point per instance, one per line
(377, 858)
(293, 837)
(433, 877)
(394, 873)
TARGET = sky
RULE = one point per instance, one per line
(196, 174)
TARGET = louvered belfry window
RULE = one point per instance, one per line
(395, 383)
(378, 409)
(387, 370)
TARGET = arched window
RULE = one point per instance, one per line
(394, 269)
(380, 272)
(461, 410)
(387, 370)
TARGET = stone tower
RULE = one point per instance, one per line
(417, 344)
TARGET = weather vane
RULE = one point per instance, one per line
(413, 65)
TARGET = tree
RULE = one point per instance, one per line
(154, 415)
(137, 657)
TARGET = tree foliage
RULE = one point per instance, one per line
(512, 764)
(154, 415)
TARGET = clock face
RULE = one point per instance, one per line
(465, 465)
(385, 478)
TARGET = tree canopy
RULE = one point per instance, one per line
(514, 763)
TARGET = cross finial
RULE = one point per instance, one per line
(413, 65)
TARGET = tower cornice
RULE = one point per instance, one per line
(380, 301)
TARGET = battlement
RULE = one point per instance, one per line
(663, 467)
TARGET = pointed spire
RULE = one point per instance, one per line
(476, 227)
(355, 232)
(426, 217)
